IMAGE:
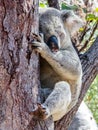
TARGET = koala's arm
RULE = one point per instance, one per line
(64, 62)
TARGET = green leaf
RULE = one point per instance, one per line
(96, 18)
(42, 5)
(81, 29)
(68, 7)
(96, 10)
(90, 17)
(64, 6)
(84, 10)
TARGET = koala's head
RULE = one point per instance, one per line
(71, 21)
(57, 26)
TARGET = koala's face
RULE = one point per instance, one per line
(58, 24)
(51, 25)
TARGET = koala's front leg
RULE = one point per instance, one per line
(40, 47)
(64, 62)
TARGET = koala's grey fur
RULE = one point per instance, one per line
(83, 119)
(60, 71)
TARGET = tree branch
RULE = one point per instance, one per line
(90, 37)
(54, 3)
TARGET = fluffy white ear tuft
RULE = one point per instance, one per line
(71, 21)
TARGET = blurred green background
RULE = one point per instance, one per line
(91, 98)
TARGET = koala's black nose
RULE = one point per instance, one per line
(53, 43)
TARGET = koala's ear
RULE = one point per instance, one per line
(71, 21)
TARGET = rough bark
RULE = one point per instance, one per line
(19, 79)
(54, 3)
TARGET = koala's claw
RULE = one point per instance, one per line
(40, 112)
(38, 38)
(36, 44)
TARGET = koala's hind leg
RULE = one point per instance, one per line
(57, 102)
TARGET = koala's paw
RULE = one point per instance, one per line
(41, 112)
(41, 48)
(38, 38)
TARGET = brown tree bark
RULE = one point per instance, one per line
(19, 79)
(54, 3)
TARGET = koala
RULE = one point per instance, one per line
(60, 66)
(83, 120)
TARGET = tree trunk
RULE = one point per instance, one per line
(19, 75)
